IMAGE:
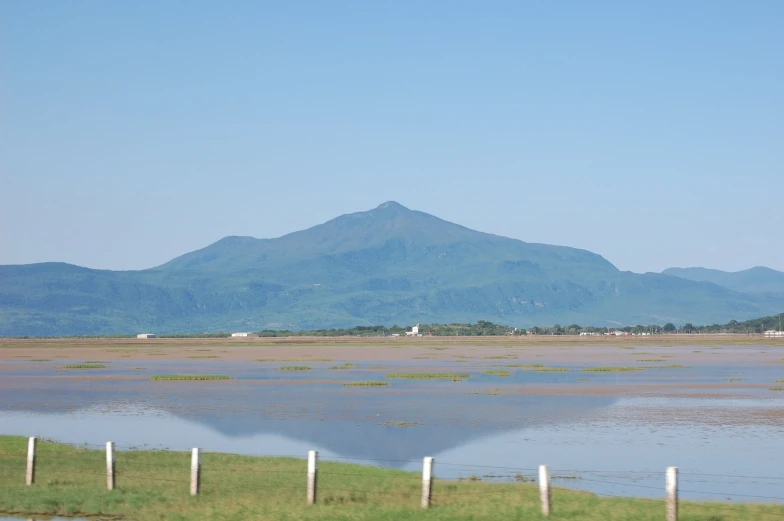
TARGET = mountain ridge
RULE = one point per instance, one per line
(386, 265)
(758, 279)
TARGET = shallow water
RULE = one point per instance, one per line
(725, 441)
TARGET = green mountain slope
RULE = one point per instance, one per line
(384, 266)
(754, 280)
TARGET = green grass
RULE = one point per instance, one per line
(612, 369)
(295, 368)
(85, 366)
(430, 376)
(366, 384)
(188, 377)
(153, 485)
(497, 372)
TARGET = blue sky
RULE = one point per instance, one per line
(132, 132)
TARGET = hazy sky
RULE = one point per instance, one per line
(132, 132)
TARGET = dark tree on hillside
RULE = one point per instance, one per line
(669, 327)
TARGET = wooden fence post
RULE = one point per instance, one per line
(31, 448)
(427, 481)
(195, 472)
(110, 465)
(544, 490)
(672, 493)
(312, 476)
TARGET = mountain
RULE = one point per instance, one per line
(754, 280)
(384, 266)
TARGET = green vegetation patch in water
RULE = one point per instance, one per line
(497, 372)
(550, 369)
(203, 356)
(188, 377)
(85, 366)
(366, 384)
(612, 369)
(295, 368)
(341, 367)
(430, 376)
(526, 366)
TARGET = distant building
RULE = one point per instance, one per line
(414, 331)
(773, 332)
(145, 335)
(244, 335)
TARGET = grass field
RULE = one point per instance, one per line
(153, 485)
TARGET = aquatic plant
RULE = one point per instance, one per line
(652, 360)
(550, 369)
(189, 377)
(497, 372)
(347, 365)
(526, 366)
(777, 388)
(295, 368)
(85, 366)
(203, 356)
(430, 376)
(612, 369)
(366, 384)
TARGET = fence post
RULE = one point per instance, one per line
(544, 490)
(110, 465)
(312, 476)
(427, 481)
(195, 472)
(672, 493)
(31, 446)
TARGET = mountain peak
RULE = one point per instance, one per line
(392, 205)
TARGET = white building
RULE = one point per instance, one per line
(244, 335)
(414, 331)
(773, 332)
(145, 335)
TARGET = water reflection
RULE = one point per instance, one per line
(620, 449)
(605, 444)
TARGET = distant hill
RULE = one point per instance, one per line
(754, 280)
(384, 266)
